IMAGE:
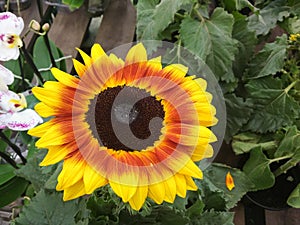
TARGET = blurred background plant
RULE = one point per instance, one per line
(252, 47)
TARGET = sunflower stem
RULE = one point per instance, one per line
(14, 147)
(9, 160)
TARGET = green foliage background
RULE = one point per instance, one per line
(259, 75)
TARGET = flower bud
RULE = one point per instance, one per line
(34, 25)
(46, 27)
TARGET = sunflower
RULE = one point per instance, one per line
(133, 124)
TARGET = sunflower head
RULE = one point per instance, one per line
(133, 124)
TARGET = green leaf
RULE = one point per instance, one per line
(214, 218)
(3, 144)
(265, 19)
(196, 209)
(269, 60)
(238, 114)
(73, 3)
(215, 176)
(294, 198)
(154, 16)
(49, 208)
(41, 57)
(37, 175)
(7, 172)
(246, 43)
(11, 190)
(245, 142)
(274, 107)
(258, 170)
(236, 5)
(211, 40)
(290, 143)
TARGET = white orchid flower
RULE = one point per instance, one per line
(13, 114)
(6, 78)
(11, 27)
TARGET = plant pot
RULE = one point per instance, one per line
(275, 198)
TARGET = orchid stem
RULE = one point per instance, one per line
(40, 8)
(13, 146)
(22, 73)
(31, 63)
(47, 42)
(9, 160)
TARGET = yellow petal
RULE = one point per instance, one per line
(170, 187)
(65, 78)
(136, 54)
(86, 58)
(58, 134)
(138, 199)
(123, 191)
(190, 184)
(97, 51)
(45, 111)
(229, 181)
(40, 130)
(175, 71)
(157, 192)
(79, 67)
(92, 179)
(74, 191)
(72, 172)
(202, 152)
(180, 185)
(192, 170)
(57, 153)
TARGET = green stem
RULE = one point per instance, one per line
(31, 63)
(285, 167)
(40, 8)
(47, 42)
(13, 146)
(180, 15)
(7, 5)
(198, 14)
(280, 158)
(288, 88)
(22, 73)
(9, 160)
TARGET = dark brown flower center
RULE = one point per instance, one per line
(126, 118)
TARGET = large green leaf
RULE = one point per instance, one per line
(238, 113)
(7, 172)
(264, 20)
(294, 198)
(246, 43)
(269, 60)
(41, 57)
(37, 175)
(235, 5)
(274, 107)
(214, 218)
(48, 208)
(214, 179)
(211, 40)
(258, 170)
(11, 190)
(290, 143)
(154, 16)
(245, 142)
